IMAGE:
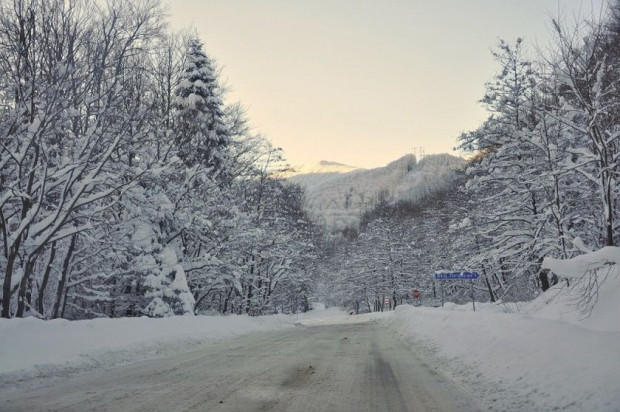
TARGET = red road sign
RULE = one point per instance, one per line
(416, 294)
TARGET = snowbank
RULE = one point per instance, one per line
(593, 300)
(30, 343)
(32, 346)
(563, 304)
(605, 258)
(560, 351)
(518, 361)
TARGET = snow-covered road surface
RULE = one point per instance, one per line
(339, 367)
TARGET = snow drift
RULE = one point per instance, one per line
(607, 258)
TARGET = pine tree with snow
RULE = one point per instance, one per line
(202, 135)
(167, 286)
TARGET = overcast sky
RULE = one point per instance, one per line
(362, 82)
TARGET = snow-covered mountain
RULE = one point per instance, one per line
(319, 167)
(337, 195)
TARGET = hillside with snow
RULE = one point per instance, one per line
(337, 195)
(320, 167)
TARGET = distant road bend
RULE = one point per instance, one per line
(347, 367)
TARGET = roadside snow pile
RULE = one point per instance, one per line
(27, 344)
(604, 259)
(564, 304)
(593, 300)
(548, 356)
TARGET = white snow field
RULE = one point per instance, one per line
(36, 347)
(540, 356)
(337, 316)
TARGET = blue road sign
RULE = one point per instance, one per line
(456, 275)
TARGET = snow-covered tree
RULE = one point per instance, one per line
(69, 138)
(202, 134)
(589, 76)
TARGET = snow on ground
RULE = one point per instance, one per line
(562, 303)
(539, 356)
(600, 310)
(336, 316)
(35, 347)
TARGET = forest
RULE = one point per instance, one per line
(128, 187)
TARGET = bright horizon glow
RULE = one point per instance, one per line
(363, 82)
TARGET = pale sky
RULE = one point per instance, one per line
(362, 82)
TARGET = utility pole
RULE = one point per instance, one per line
(419, 153)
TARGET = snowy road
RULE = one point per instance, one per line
(348, 367)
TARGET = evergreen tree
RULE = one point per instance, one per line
(202, 135)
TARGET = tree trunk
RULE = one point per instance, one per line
(248, 299)
(6, 286)
(544, 279)
(46, 275)
(23, 286)
(63, 278)
(491, 294)
(64, 304)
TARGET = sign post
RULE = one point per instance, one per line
(458, 276)
(473, 300)
(441, 294)
(417, 297)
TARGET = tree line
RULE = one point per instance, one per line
(127, 186)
